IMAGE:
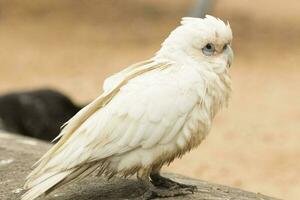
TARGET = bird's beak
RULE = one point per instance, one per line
(229, 56)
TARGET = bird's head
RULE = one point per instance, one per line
(206, 41)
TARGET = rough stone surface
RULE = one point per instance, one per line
(17, 154)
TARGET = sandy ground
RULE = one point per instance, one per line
(254, 144)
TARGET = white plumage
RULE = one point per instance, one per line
(149, 114)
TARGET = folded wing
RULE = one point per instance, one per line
(133, 112)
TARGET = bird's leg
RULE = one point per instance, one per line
(162, 182)
(153, 191)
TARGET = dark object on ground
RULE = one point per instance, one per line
(38, 113)
(18, 153)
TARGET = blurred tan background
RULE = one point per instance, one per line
(73, 45)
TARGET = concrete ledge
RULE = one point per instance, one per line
(17, 155)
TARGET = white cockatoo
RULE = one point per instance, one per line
(149, 114)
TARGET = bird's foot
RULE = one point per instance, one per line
(163, 187)
(162, 182)
(154, 192)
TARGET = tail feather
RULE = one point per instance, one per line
(42, 187)
(50, 181)
(40, 179)
(74, 176)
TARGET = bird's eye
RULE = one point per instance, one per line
(209, 49)
(225, 47)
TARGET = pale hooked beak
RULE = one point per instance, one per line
(229, 56)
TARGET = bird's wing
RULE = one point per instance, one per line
(122, 78)
(140, 112)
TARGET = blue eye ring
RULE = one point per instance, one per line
(209, 49)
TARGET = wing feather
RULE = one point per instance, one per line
(137, 112)
(75, 128)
